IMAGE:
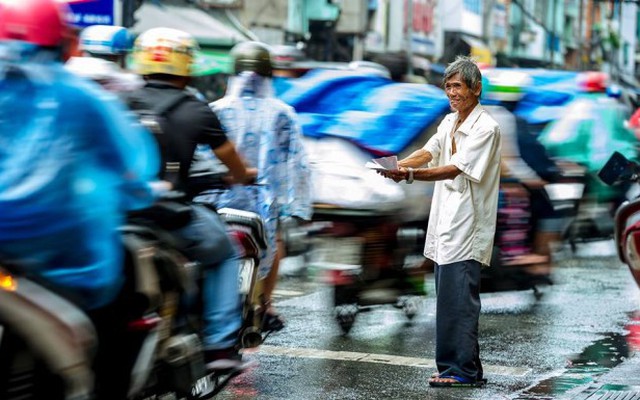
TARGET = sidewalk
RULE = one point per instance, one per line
(620, 383)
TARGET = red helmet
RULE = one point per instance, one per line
(593, 81)
(41, 22)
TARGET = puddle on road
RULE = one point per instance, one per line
(595, 360)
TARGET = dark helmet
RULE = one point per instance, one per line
(252, 56)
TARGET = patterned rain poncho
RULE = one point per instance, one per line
(266, 134)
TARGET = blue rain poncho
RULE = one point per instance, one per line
(266, 133)
(71, 162)
(376, 113)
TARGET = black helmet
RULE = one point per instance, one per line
(252, 56)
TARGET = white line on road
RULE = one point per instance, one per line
(288, 293)
(378, 358)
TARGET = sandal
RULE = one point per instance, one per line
(445, 381)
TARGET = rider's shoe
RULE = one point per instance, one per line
(223, 359)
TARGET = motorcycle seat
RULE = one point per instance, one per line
(248, 219)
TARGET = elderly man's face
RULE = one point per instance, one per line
(461, 97)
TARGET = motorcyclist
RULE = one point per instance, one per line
(502, 92)
(105, 49)
(72, 163)
(164, 57)
(72, 160)
(266, 133)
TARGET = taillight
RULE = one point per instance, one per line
(247, 244)
(145, 323)
(341, 276)
(7, 281)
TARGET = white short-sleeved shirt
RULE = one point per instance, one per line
(462, 220)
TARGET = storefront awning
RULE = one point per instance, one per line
(210, 62)
(206, 29)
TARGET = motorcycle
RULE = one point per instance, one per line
(361, 255)
(619, 170)
(145, 345)
(515, 265)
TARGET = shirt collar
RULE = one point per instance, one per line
(471, 119)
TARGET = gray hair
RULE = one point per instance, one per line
(468, 70)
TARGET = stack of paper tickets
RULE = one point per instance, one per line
(383, 163)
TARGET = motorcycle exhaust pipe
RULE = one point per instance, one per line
(251, 337)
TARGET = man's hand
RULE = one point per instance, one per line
(397, 175)
(249, 178)
(252, 175)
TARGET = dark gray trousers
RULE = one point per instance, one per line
(457, 314)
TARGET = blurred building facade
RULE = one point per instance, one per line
(568, 34)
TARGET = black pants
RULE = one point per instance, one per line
(457, 314)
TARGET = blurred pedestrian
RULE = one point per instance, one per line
(164, 57)
(463, 158)
(266, 133)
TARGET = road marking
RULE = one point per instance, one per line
(378, 359)
(287, 293)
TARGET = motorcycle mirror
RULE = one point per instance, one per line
(616, 168)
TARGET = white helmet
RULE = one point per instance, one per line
(106, 40)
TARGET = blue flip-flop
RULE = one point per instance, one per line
(459, 382)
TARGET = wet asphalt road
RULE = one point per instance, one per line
(531, 348)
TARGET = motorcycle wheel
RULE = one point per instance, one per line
(410, 306)
(346, 316)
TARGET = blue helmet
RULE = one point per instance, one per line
(106, 40)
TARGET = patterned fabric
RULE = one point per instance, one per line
(267, 135)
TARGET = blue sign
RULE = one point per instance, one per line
(92, 12)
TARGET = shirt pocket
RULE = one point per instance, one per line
(458, 184)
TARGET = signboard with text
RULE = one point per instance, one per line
(94, 12)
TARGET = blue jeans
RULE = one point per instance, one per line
(211, 246)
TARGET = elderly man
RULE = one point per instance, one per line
(463, 157)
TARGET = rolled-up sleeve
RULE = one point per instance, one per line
(478, 151)
(434, 146)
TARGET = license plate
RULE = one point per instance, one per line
(246, 272)
(337, 252)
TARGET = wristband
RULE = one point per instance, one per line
(409, 177)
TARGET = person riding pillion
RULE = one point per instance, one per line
(265, 131)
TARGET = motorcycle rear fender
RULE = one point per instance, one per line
(53, 328)
(246, 219)
(632, 240)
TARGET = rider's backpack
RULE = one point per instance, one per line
(156, 120)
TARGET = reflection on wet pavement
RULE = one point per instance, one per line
(593, 362)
